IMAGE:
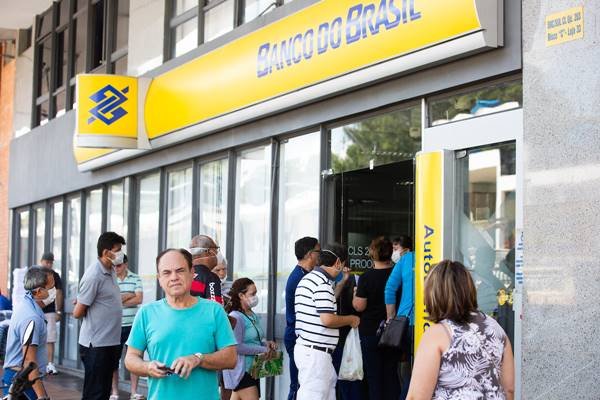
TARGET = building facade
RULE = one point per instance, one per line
(347, 121)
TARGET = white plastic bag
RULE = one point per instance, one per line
(352, 365)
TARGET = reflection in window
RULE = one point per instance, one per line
(122, 25)
(40, 230)
(93, 225)
(73, 243)
(384, 139)
(147, 233)
(118, 200)
(57, 235)
(486, 226)
(186, 37)
(62, 47)
(213, 201)
(179, 208)
(45, 60)
(252, 210)
(218, 20)
(24, 238)
(80, 26)
(256, 8)
(500, 97)
(97, 34)
(298, 205)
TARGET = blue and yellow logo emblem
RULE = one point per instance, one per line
(108, 104)
(107, 111)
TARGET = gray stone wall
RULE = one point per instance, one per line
(561, 84)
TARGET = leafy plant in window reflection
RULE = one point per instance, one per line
(452, 106)
(387, 138)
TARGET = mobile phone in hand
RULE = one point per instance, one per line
(168, 371)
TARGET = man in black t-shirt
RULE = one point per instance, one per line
(206, 284)
(52, 311)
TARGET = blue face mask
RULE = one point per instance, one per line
(339, 277)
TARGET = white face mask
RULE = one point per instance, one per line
(223, 279)
(119, 257)
(51, 296)
(396, 256)
(252, 301)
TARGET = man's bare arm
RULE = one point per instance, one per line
(223, 359)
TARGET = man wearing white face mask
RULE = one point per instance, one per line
(52, 310)
(38, 284)
(206, 284)
(99, 304)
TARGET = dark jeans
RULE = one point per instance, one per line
(294, 385)
(346, 390)
(381, 369)
(99, 364)
(9, 375)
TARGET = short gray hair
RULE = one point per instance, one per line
(35, 277)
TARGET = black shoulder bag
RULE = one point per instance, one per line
(395, 332)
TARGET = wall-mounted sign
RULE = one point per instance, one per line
(327, 48)
(564, 26)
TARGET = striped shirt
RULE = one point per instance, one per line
(131, 284)
(314, 296)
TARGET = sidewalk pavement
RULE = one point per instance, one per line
(68, 387)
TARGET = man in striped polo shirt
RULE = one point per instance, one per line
(132, 295)
(317, 326)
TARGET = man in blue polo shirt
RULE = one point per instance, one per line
(307, 253)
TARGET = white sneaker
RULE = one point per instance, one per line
(51, 369)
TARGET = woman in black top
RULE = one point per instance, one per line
(379, 365)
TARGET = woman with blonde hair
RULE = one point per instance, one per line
(466, 354)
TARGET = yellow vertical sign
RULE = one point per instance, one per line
(429, 220)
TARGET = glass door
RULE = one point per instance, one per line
(485, 226)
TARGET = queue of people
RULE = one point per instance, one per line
(213, 356)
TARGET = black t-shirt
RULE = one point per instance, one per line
(58, 285)
(371, 286)
(344, 306)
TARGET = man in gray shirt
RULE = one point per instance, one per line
(99, 304)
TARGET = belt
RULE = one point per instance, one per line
(323, 349)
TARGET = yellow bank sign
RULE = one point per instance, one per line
(327, 48)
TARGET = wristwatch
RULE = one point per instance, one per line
(200, 357)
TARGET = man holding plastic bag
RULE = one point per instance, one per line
(317, 326)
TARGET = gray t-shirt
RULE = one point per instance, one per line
(99, 291)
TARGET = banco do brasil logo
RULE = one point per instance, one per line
(108, 104)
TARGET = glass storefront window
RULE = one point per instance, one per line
(213, 201)
(93, 225)
(179, 208)
(72, 279)
(383, 139)
(218, 20)
(299, 176)
(40, 233)
(57, 235)
(118, 200)
(147, 233)
(24, 238)
(486, 179)
(492, 99)
(252, 211)
(73, 243)
(186, 37)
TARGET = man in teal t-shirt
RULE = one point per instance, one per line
(190, 335)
